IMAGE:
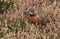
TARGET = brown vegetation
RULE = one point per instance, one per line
(14, 25)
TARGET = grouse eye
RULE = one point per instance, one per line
(31, 12)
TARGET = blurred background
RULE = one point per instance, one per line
(14, 25)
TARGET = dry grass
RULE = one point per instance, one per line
(14, 26)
